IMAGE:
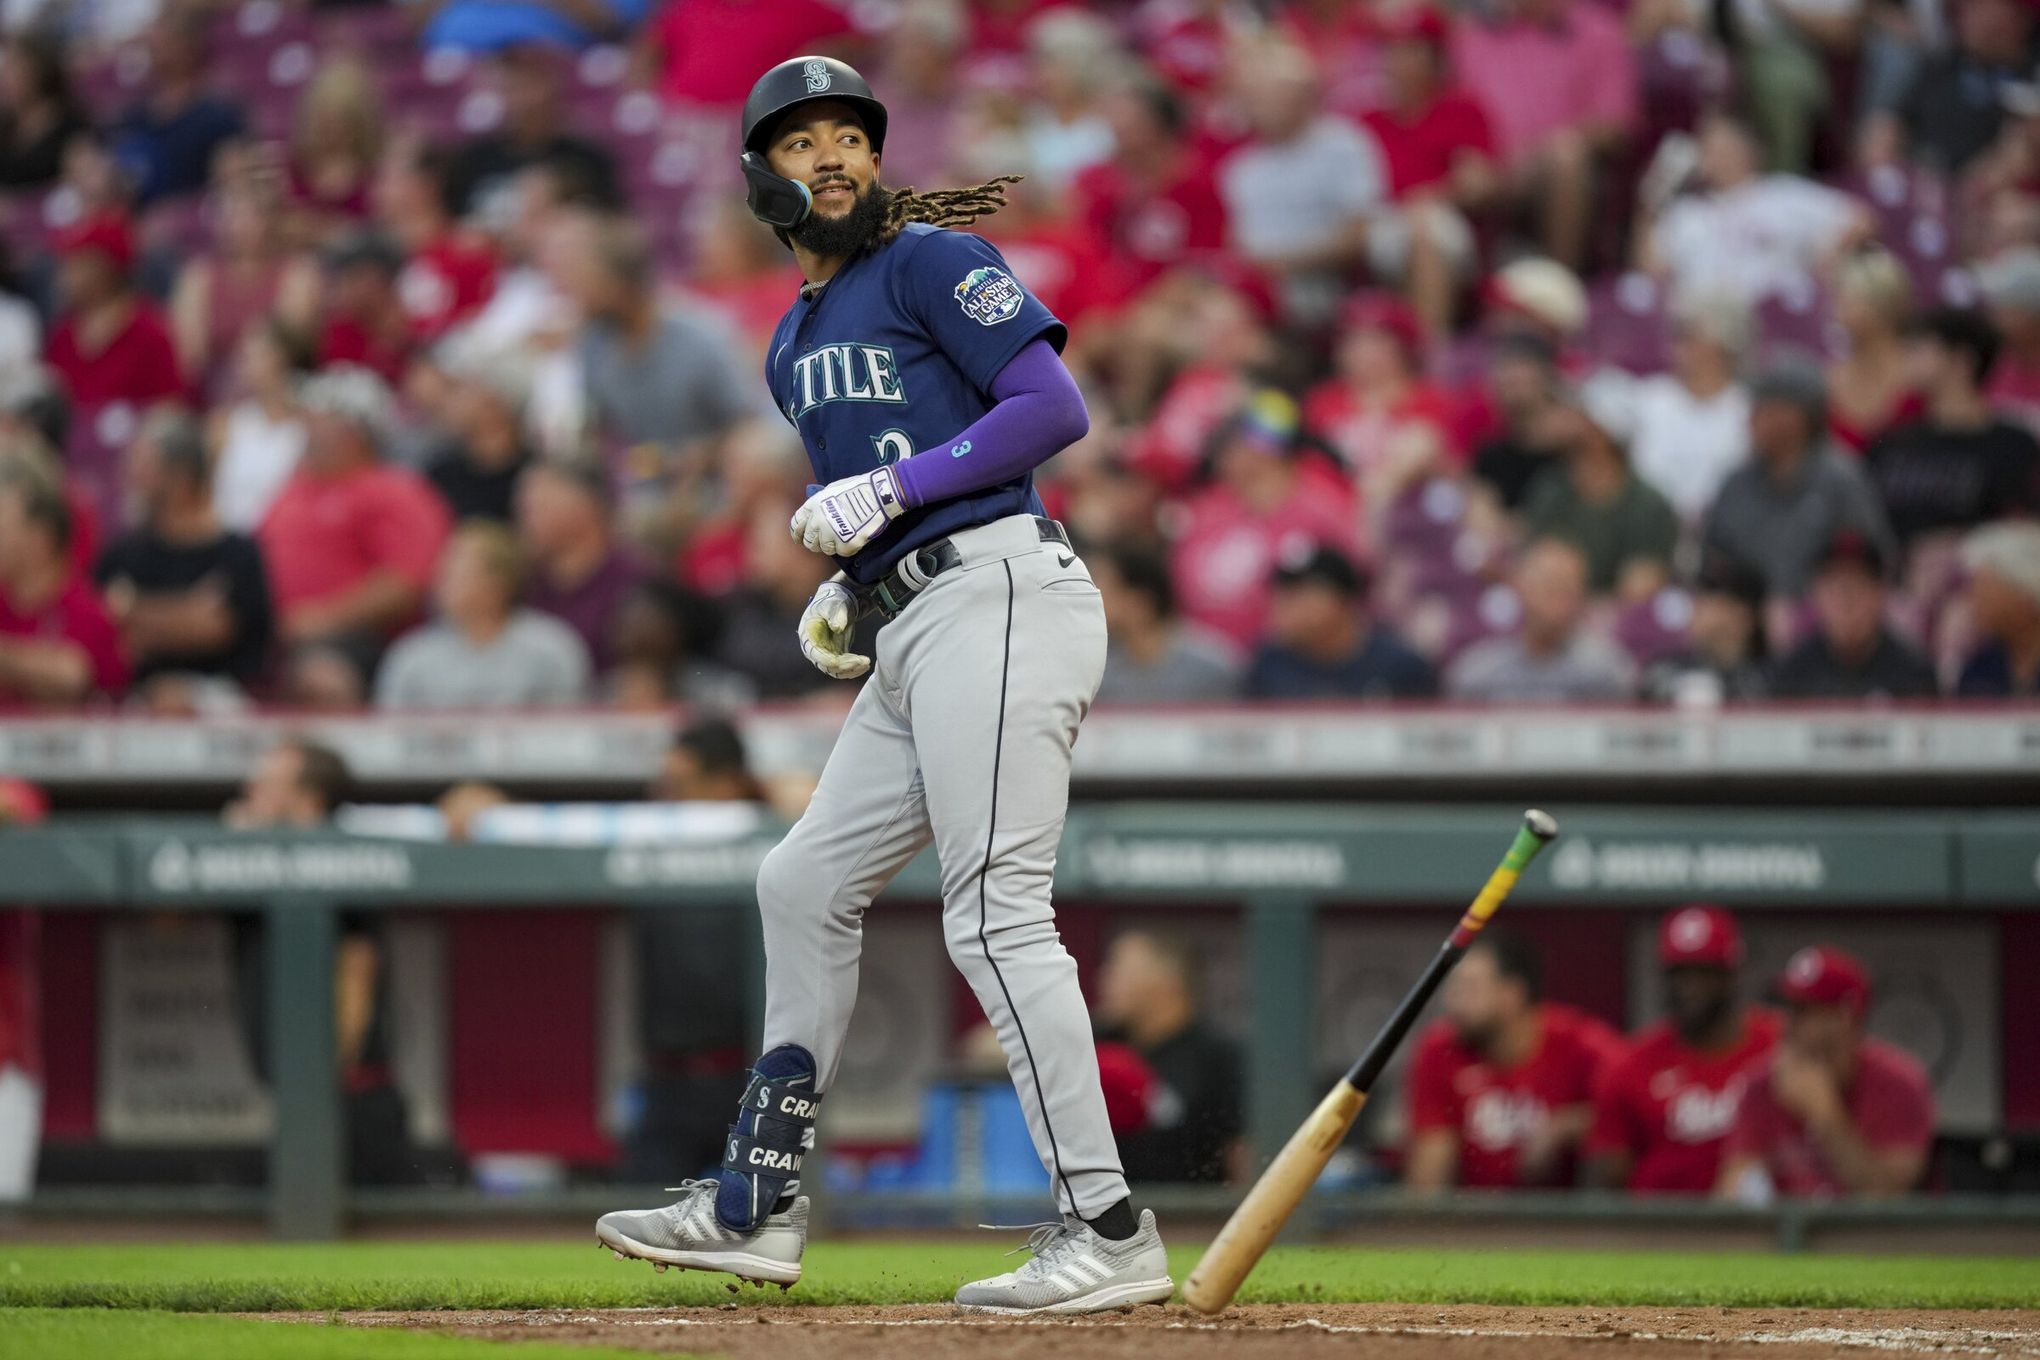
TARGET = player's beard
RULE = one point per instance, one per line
(852, 233)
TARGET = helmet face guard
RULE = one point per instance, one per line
(775, 200)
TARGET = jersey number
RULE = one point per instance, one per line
(892, 445)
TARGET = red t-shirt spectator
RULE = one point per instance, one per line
(1890, 1103)
(1062, 265)
(138, 364)
(1146, 232)
(347, 341)
(1496, 1111)
(325, 535)
(1365, 437)
(1222, 558)
(711, 50)
(1671, 1107)
(76, 615)
(445, 282)
(1535, 79)
(1420, 151)
(1347, 45)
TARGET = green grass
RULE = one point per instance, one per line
(254, 1277)
(45, 1334)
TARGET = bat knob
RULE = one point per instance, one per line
(1542, 825)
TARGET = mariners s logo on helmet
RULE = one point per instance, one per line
(816, 74)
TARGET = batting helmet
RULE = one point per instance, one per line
(799, 80)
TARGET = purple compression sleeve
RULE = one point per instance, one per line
(1039, 412)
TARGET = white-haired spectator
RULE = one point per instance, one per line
(351, 542)
(1746, 233)
(2004, 600)
(1692, 424)
(483, 650)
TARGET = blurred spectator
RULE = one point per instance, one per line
(1559, 85)
(1961, 463)
(1833, 1111)
(483, 450)
(297, 784)
(21, 1016)
(1851, 652)
(761, 616)
(709, 51)
(1190, 1115)
(1552, 658)
(921, 70)
(1522, 381)
(1262, 496)
(350, 541)
(258, 439)
(1953, 108)
(190, 597)
(110, 343)
(1781, 509)
(1723, 659)
(1153, 203)
(1500, 1089)
(2010, 285)
(484, 650)
(1666, 1106)
(1870, 384)
(1537, 297)
(1152, 656)
(449, 271)
(1440, 156)
(1786, 52)
(1300, 192)
(741, 271)
(57, 643)
(364, 321)
(1072, 57)
(2004, 599)
(662, 640)
(1746, 234)
(1692, 424)
(488, 25)
(1594, 501)
(578, 572)
(1324, 641)
(656, 377)
(166, 142)
(336, 143)
(1376, 394)
(39, 112)
(21, 339)
(221, 294)
(534, 130)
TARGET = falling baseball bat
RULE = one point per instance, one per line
(1246, 1235)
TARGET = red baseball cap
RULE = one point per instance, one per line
(1701, 935)
(1384, 312)
(108, 235)
(1821, 975)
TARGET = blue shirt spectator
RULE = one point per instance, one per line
(1323, 645)
(490, 25)
(166, 143)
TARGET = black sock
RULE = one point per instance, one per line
(1115, 1224)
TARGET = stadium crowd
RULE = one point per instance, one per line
(1539, 350)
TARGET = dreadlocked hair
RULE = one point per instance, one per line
(944, 207)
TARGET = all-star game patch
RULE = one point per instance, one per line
(989, 296)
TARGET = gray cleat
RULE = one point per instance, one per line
(1074, 1270)
(687, 1234)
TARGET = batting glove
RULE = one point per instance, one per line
(825, 632)
(844, 516)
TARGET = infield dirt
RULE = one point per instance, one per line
(750, 1331)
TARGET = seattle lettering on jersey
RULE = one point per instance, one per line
(844, 373)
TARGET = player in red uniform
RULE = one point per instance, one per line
(1831, 1111)
(1501, 1089)
(1667, 1105)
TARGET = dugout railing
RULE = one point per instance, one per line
(1281, 865)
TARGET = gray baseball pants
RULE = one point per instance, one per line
(961, 736)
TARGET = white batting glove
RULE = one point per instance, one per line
(844, 516)
(825, 632)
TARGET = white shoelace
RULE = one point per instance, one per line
(1045, 1240)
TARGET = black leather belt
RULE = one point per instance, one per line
(912, 574)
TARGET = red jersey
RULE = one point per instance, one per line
(1364, 436)
(76, 615)
(1225, 552)
(713, 49)
(1889, 1101)
(1671, 1107)
(325, 535)
(1150, 231)
(447, 281)
(347, 341)
(1496, 1111)
(139, 364)
(1420, 150)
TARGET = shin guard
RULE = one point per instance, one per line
(774, 1130)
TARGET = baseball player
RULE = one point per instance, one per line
(926, 383)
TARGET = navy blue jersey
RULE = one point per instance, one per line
(896, 357)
